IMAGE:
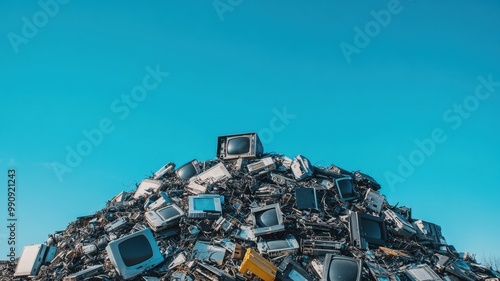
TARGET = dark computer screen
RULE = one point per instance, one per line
(239, 145)
(305, 198)
(167, 213)
(204, 204)
(371, 228)
(295, 276)
(278, 244)
(343, 270)
(186, 171)
(346, 189)
(135, 250)
(266, 218)
(367, 230)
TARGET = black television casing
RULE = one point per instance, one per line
(359, 238)
(350, 181)
(330, 258)
(194, 164)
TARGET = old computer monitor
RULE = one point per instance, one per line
(345, 188)
(31, 260)
(367, 230)
(164, 217)
(188, 170)
(134, 254)
(239, 146)
(205, 206)
(290, 270)
(341, 268)
(278, 247)
(268, 219)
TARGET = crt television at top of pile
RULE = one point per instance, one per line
(239, 146)
(134, 253)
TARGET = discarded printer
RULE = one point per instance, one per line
(249, 215)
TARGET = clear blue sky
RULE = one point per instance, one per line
(358, 84)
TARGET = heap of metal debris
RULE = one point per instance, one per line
(248, 215)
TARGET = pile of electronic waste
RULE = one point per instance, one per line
(248, 215)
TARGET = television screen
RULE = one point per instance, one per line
(367, 230)
(238, 145)
(289, 270)
(164, 217)
(305, 198)
(296, 276)
(371, 228)
(268, 219)
(134, 253)
(135, 250)
(341, 268)
(278, 244)
(278, 247)
(345, 188)
(205, 205)
(168, 212)
(188, 170)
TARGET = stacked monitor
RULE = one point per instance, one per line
(239, 146)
